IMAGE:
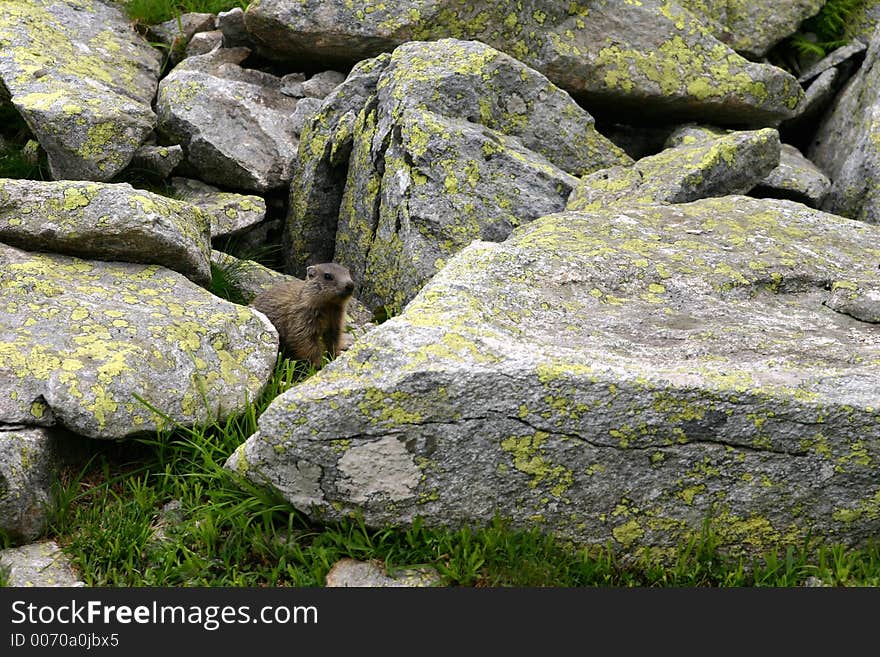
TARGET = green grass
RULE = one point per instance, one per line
(151, 12)
(162, 511)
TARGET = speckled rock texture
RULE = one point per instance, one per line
(229, 213)
(847, 145)
(106, 221)
(865, 20)
(92, 346)
(234, 124)
(39, 564)
(454, 146)
(28, 466)
(749, 27)
(631, 57)
(611, 377)
(690, 169)
(83, 80)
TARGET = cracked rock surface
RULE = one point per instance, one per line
(610, 376)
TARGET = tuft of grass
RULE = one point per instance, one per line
(152, 12)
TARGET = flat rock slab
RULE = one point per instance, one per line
(614, 378)
(83, 80)
(38, 564)
(354, 573)
(687, 171)
(634, 57)
(83, 342)
(107, 222)
(230, 213)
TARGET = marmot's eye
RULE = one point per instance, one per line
(328, 277)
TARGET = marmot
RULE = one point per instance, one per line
(310, 315)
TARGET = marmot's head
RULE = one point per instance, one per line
(330, 282)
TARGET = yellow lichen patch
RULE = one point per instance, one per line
(528, 459)
(628, 533)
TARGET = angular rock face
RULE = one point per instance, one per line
(28, 463)
(695, 168)
(453, 147)
(610, 377)
(234, 124)
(230, 214)
(650, 56)
(106, 221)
(753, 28)
(82, 79)
(321, 168)
(847, 145)
(39, 564)
(83, 342)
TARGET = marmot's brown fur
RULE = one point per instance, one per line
(309, 315)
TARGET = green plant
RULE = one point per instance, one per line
(152, 12)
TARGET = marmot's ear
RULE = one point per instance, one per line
(311, 271)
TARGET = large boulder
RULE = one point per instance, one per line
(107, 222)
(632, 58)
(234, 124)
(455, 145)
(753, 28)
(109, 349)
(613, 378)
(82, 79)
(847, 145)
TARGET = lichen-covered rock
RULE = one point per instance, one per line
(158, 161)
(460, 142)
(83, 80)
(611, 377)
(233, 123)
(633, 58)
(846, 146)
(105, 221)
(230, 214)
(753, 28)
(92, 346)
(321, 168)
(352, 573)
(39, 564)
(28, 465)
(693, 167)
(795, 178)
(864, 20)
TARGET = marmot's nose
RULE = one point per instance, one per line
(349, 287)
